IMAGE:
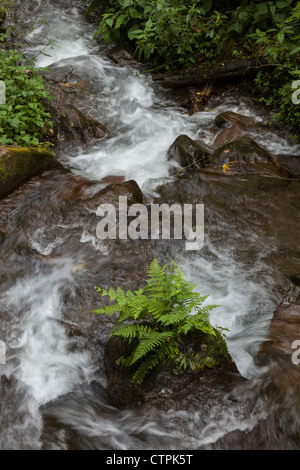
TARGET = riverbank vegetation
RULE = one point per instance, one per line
(24, 117)
(175, 35)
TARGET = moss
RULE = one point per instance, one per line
(19, 164)
(243, 149)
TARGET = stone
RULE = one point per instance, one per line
(187, 151)
(225, 136)
(72, 127)
(289, 163)
(19, 164)
(229, 117)
(161, 388)
(244, 150)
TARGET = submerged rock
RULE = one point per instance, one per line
(19, 164)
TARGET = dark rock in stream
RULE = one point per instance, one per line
(289, 163)
(232, 118)
(187, 151)
(164, 390)
(245, 151)
(19, 164)
(278, 387)
(73, 126)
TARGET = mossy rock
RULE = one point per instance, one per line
(187, 151)
(244, 150)
(19, 164)
(151, 392)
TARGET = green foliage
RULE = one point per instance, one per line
(172, 32)
(154, 320)
(24, 116)
(280, 45)
(276, 91)
(5, 5)
(163, 30)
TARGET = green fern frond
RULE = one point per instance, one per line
(153, 319)
(148, 342)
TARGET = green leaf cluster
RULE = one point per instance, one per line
(154, 320)
(174, 34)
(24, 117)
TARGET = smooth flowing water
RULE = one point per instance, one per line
(54, 393)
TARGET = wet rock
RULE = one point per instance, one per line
(193, 99)
(185, 97)
(295, 279)
(187, 151)
(112, 192)
(19, 164)
(74, 128)
(122, 57)
(284, 330)
(230, 117)
(225, 136)
(277, 388)
(244, 150)
(289, 163)
(113, 179)
(164, 390)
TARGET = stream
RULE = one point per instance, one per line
(53, 385)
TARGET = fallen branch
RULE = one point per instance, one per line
(197, 76)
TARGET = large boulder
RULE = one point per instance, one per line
(230, 134)
(162, 388)
(277, 388)
(19, 164)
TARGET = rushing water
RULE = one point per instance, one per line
(50, 257)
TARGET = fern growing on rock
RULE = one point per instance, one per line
(154, 320)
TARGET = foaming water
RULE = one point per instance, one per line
(40, 357)
(245, 306)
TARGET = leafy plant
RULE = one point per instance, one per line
(171, 33)
(24, 117)
(168, 32)
(155, 319)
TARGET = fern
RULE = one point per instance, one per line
(154, 320)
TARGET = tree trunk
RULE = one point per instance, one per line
(197, 76)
